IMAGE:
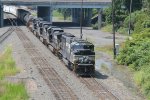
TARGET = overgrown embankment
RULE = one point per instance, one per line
(136, 54)
(10, 91)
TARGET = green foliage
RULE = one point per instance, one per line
(107, 28)
(7, 64)
(120, 15)
(56, 13)
(9, 91)
(139, 21)
(142, 79)
(13, 92)
(95, 26)
(66, 12)
(146, 5)
(123, 30)
(136, 4)
(94, 12)
(108, 12)
(136, 54)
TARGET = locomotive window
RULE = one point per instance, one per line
(91, 47)
(84, 52)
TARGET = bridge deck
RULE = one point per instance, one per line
(61, 3)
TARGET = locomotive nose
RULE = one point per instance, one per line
(84, 59)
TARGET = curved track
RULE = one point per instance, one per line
(9, 31)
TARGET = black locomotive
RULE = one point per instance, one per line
(77, 53)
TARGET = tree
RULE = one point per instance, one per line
(65, 11)
(136, 5)
(147, 5)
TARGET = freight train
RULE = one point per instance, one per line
(78, 54)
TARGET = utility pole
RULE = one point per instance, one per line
(113, 28)
(130, 17)
(81, 13)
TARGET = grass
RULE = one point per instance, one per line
(107, 28)
(7, 64)
(142, 79)
(107, 49)
(9, 91)
(58, 15)
(13, 91)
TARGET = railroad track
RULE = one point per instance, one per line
(58, 87)
(98, 89)
(8, 32)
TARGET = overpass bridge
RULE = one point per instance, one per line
(61, 3)
(45, 7)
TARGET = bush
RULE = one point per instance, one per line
(108, 12)
(139, 20)
(107, 28)
(95, 26)
(136, 54)
(123, 30)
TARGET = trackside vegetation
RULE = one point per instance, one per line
(10, 91)
(136, 55)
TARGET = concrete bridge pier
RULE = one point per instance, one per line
(1, 16)
(76, 15)
(100, 11)
(86, 16)
(45, 12)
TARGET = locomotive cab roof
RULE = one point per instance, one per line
(78, 41)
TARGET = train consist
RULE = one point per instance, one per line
(78, 54)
